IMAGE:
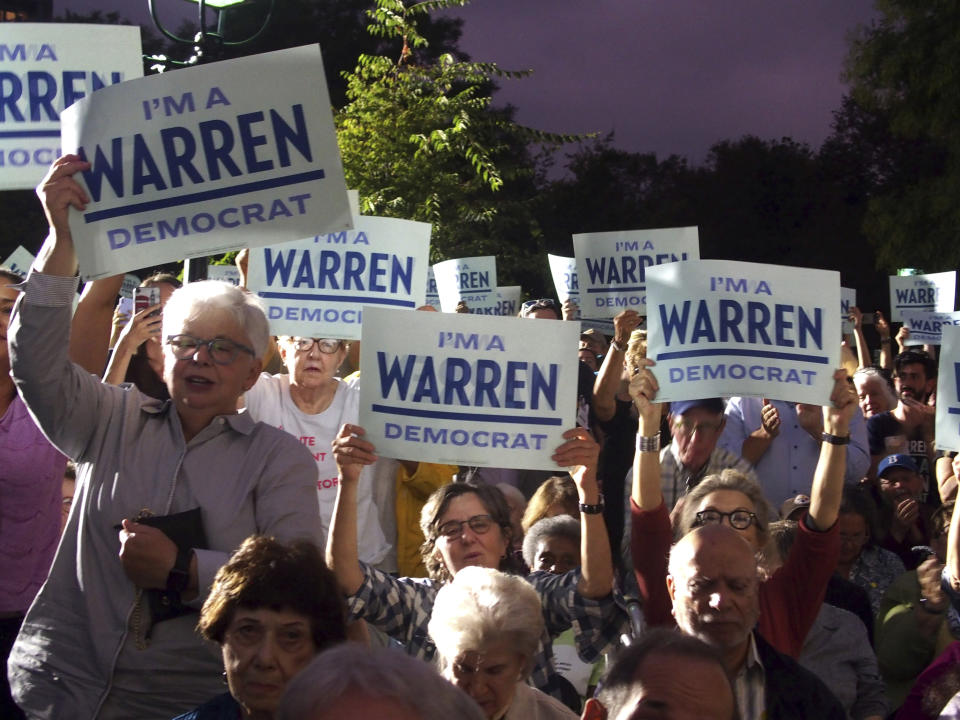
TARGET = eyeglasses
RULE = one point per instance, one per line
(221, 350)
(325, 345)
(531, 305)
(739, 519)
(685, 427)
(452, 529)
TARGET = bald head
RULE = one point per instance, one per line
(713, 584)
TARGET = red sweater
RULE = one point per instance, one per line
(789, 600)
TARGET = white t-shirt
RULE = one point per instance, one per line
(269, 401)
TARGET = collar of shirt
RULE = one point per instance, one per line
(750, 684)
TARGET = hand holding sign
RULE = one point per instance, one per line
(843, 404)
(769, 419)
(580, 453)
(643, 389)
(58, 192)
(352, 452)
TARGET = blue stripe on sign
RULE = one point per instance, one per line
(475, 417)
(205, 195)
(616, 289)
(337, 298)
(917, 307)
(29, 133)
(954, 411)
(735, 352)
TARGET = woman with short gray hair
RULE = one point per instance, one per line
(487, 627)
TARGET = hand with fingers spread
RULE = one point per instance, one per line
(352, 452)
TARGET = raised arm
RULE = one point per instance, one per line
(883, 330)
(953, 542)
(58, 192)
(352, 454)
(580, 453)
(863, 350)
(138, 331)
(608, 379)
(90, 332)
(831, 466)
(646, 491)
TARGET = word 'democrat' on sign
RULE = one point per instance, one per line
(934, 292)
(212, 158)
(730, 328)
(948, 391)
(45, 68)
(318, 287)
(471, 280)
(612, 266)
(466, 389)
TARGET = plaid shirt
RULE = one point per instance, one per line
(676, 480)
(401, 608)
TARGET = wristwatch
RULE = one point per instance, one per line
(179, 576)
(592, 509)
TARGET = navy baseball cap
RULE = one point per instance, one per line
(715, 405)
(897, 461)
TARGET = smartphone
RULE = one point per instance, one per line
(125, 306)
(144, 297)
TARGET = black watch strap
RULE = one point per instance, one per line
(592, 509)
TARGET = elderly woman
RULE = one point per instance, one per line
(109, 637)
(791, 597)
(272, 607)
(312, 404)
(486, 626)
(466, 525)
(874, 392)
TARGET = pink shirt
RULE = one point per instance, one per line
(31, 480)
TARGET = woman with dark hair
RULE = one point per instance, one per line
(469, 525)
(272, 607)
(861, 560)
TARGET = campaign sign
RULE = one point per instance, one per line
(319, 287)
(433, 296)
(467, 389)
(19, 261)
(948, 391)
(472, 280)
(611, 266)
(224, 273)
(44, 68)
(508, 301)
(564, 271)
(922, 293)
(240, 153)
(926, 327)
(848, 299)
(718, 327)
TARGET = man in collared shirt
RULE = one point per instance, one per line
(713, 584)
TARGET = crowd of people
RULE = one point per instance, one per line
(194, 525)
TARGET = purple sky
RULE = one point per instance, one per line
(668, 76)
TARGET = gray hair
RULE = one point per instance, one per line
(556, 526)
(728, 479)
(482, 605)
(353, 668)
(196, 298)
(868, 373)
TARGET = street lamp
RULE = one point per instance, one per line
(207, 41)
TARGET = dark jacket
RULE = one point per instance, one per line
(793, 692)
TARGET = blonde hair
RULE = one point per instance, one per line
(553, 490)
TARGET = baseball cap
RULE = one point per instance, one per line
(797, 502)
(712, 404)
(897, 461)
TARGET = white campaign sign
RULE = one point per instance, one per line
(224, 273)
(47, 67)
(472, 280)
(926, 327)
(19, 260)
(467, 390)
(239, 153)
(508, 301)
(719, 327)
(922, 293)
(611, 266)
(848, 299)
(948, 391)
(564, 271)
(433, 297)
(319, 287)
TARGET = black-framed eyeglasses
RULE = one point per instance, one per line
(739, 519)
(452, 529)
(222, 351)
(327, 346)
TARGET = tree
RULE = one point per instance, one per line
(420, 140)
(903, 68)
